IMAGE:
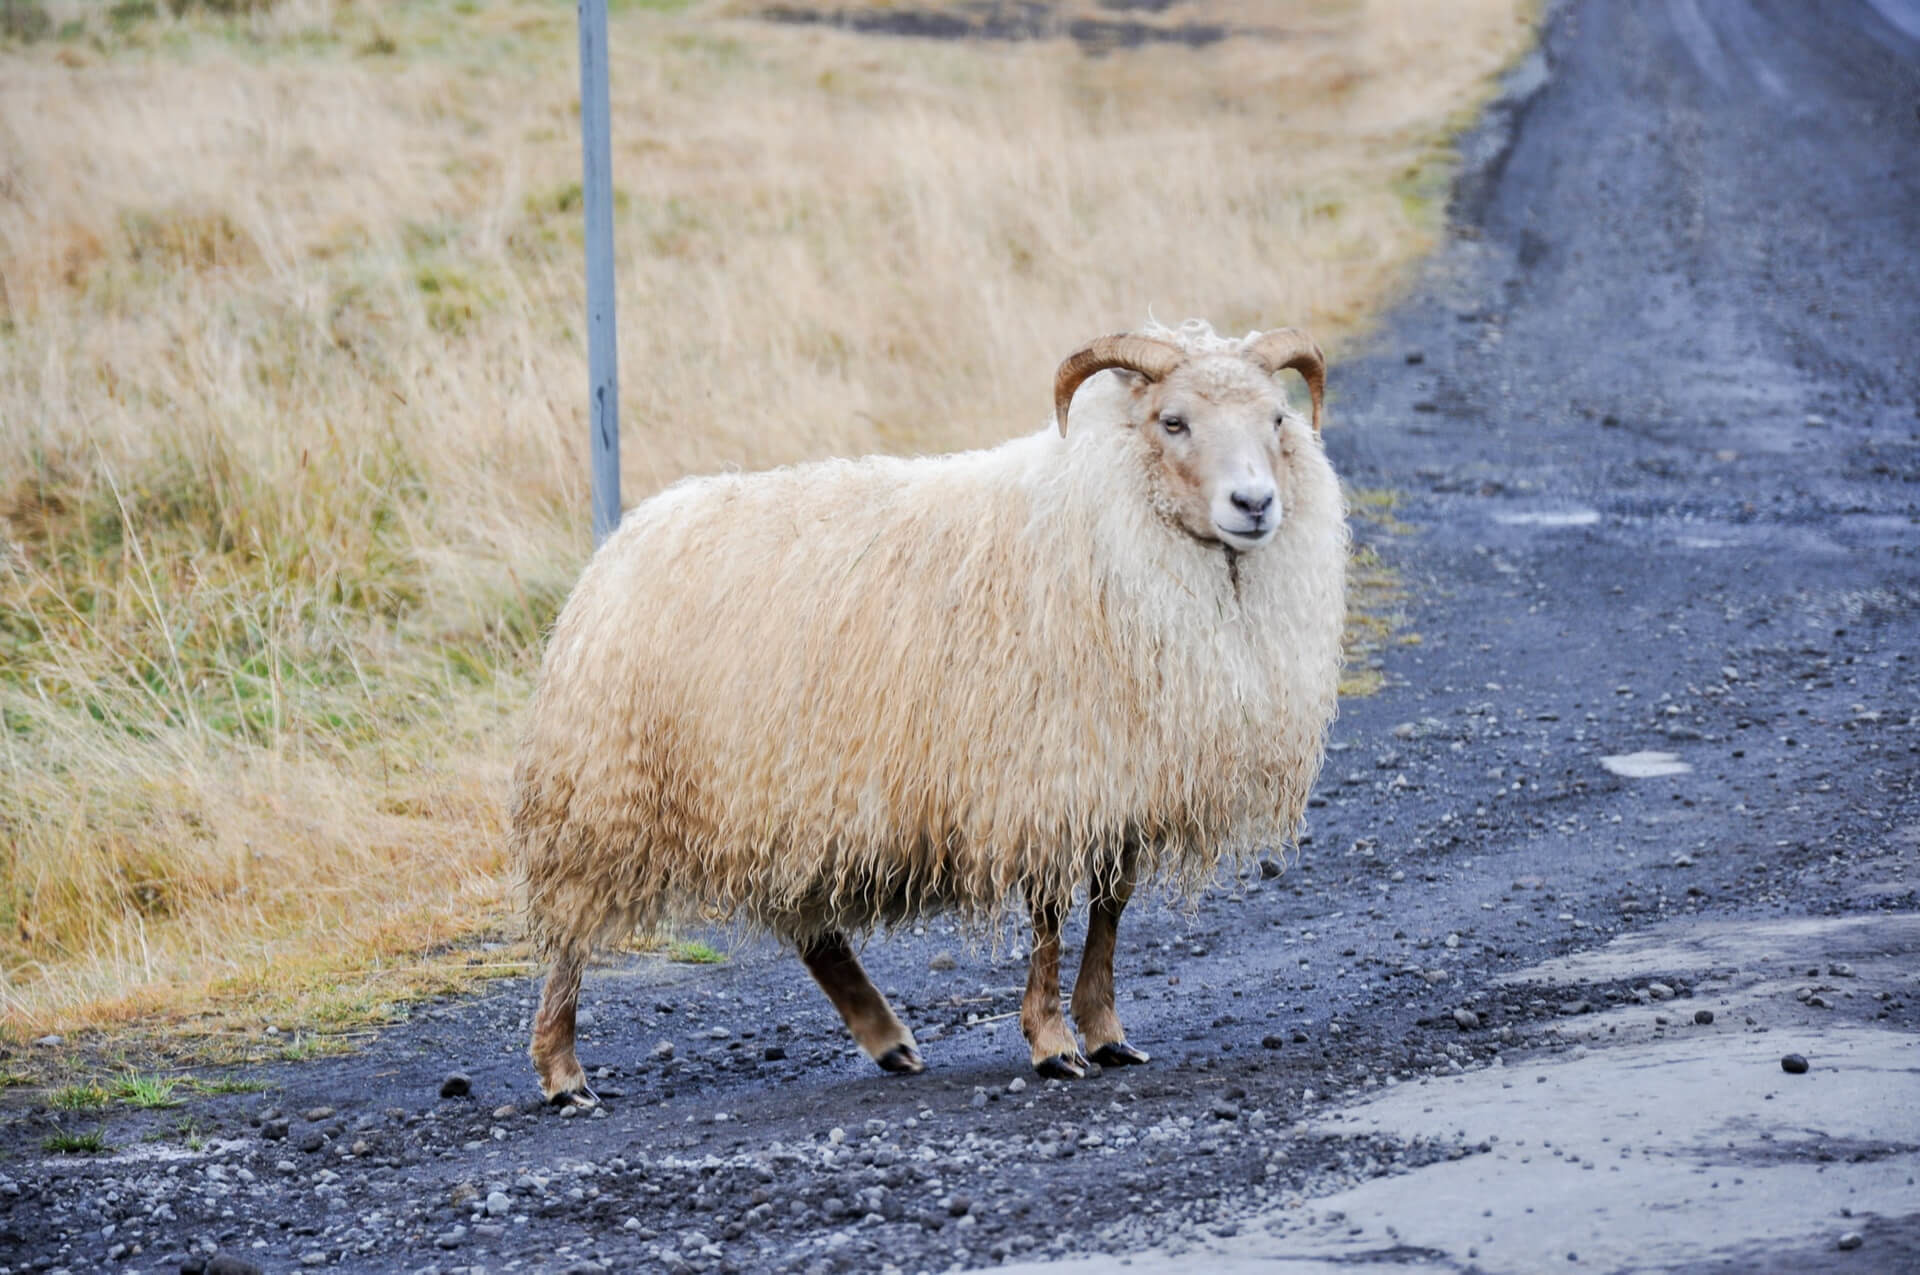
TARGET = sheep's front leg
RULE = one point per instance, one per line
(886, 1040)
(1093, 990)
(561, 1079)
(1056, 1054)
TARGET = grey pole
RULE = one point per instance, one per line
(603, 347)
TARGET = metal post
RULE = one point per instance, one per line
(603, 348)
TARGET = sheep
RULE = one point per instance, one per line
(839, 696)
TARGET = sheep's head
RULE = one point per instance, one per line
(1215, 423)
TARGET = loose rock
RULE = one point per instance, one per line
(1703, 1016)
(456, 1085)
(228, 1264)
(1467, 1019)
(1793, 1065)
(1852, 1240)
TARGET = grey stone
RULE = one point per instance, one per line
(228, 1264)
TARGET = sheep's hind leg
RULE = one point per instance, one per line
(875, 1027)
(1093, 1007)
(561, 1079)
(1056, 1054)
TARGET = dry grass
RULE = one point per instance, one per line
(291, 425)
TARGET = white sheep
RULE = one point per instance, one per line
(849, 694)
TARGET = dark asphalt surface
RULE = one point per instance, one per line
(1655, 415)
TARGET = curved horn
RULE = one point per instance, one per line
(1285, 348)
(1143, 354)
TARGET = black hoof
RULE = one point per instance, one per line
(582, 1097)
(1062, 1067)
(902, 1060)
(1120, 1054)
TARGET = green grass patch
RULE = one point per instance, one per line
(147, 1091)
(191, 1135)
(92, 1142)
(694, 952)
(79, 1098)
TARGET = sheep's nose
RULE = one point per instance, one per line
(1254, 502)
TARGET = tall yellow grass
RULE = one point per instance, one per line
(291, 427)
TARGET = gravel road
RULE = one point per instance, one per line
(1636, 817)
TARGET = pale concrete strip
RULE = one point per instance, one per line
(1659, 1144)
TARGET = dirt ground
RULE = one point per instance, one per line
(1655, 415)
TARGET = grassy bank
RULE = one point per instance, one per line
(291, 424)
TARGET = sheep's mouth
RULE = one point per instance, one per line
(1248, 537)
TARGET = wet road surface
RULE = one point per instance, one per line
(1654, 413)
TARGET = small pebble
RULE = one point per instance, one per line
(1793, 1065)
(316, 1114)
(773, 1053)
(1852, 1240)
(228, 1264)
(1703, 1016)
(1017, 1085)
(456, 1085)
(1271, 1042)
(942, 961)
(1467, 1019)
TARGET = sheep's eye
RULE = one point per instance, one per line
(1173, 424)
